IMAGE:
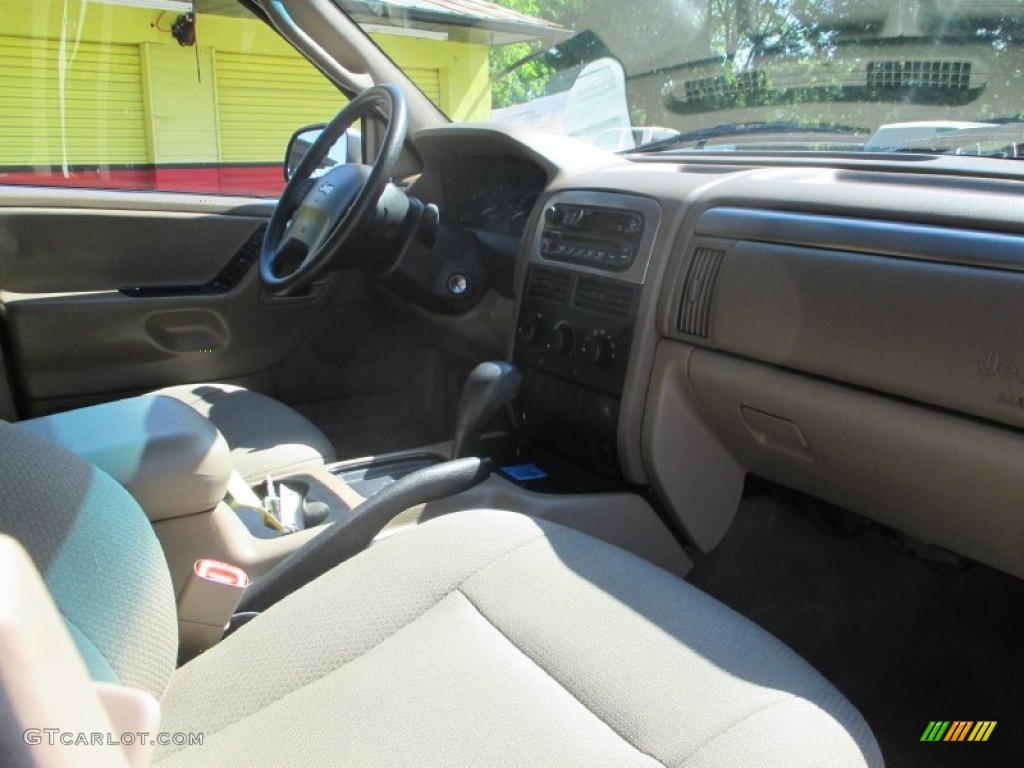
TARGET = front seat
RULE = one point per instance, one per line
(481, 638)
(265, 436)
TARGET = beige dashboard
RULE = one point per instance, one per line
(849, 329)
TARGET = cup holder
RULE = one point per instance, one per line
(300, 504)
(297, 507)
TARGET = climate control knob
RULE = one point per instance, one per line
(598, 348)
(531, 329)
(559, 340)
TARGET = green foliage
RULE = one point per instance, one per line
(524, 84)
(529, 80)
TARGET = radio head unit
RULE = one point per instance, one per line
(602, 238)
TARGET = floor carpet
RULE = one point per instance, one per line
(906, 643)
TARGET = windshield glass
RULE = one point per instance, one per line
(722, 75)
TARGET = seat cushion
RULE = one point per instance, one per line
(266, 437)
(489, 638)
(98, 556)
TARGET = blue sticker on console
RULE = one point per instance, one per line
(524, 472)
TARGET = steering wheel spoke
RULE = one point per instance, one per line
(316, 217)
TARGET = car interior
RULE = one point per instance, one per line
(496, 447)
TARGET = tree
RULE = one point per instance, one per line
(529, 80)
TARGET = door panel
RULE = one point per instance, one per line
(103, 297)
(59, 251)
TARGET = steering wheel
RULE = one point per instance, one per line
(316, 218)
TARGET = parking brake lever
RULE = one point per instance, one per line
(341, 541)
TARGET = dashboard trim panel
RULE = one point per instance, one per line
(920, 242)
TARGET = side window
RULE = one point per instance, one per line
(142, 94)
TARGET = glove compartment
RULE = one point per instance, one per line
(940, 477)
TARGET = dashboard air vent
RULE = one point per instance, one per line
(727, 88)
(947, 75)
(549, 285)
(695, 312)
(608, 297)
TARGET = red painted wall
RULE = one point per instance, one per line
(255, 180)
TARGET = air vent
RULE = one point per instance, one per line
(549, 285)
(695, 312)
(945, 75)
(606, 297)
(727, 87)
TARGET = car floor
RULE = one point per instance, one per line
(376, 424)
(905, 643)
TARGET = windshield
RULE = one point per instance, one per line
(722, 75)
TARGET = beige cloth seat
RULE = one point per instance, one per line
(481, 638)
(489, 638)
(265, 436)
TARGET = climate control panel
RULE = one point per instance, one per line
(576, 327)
(597, 347)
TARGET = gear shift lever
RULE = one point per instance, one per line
(489, 386)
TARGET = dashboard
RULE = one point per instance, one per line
(847, 327)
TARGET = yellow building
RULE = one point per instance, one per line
(116, 93)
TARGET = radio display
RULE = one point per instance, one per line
(598, 221)
(605, 238)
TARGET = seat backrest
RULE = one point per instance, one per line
(98, 556)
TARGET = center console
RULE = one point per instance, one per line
(587, 266)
